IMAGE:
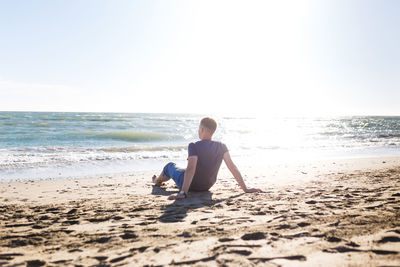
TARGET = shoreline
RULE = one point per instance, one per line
(331, 212)
(85, 170)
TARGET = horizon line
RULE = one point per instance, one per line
(210, 113)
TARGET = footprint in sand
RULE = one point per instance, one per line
(128, 235)
(333, 239)
(35, 263)
(352, 244)
(283, 226)
(295, 257)
(9, 256)
(302, 234)
(75, 250)
(99, 219)
(343, 249)
(311, 202)
(72, 211)
(387, 239)
(70, 222)
(303, 224)
(101, 258)
(254, 236)
(185, 234)
(140, 249)
(100, 240)
(118, 259)
(241, 252)
(225, 239)
(62, 262)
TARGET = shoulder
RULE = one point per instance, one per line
(191, 146)
(221, 145)
(219, 142)
(192, 149)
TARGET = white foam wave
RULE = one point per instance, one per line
(32, 157)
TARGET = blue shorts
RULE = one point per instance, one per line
(171, 171)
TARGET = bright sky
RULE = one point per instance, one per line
(331, 57)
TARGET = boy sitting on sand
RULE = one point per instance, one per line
(205, 158)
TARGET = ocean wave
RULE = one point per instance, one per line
(389, 135)
(143, 148)
(239, 118)
(87, 150)
(113, 133)
(137, 136)
(32, 157)
(164, 119)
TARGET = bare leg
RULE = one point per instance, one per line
(160, 179)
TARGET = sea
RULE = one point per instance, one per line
(54, 145)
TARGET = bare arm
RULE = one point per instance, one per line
(188, 177)
(189, 173)
(237, 175)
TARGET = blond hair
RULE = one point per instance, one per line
(209, 123)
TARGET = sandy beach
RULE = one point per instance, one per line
(328, 213)
(297, 101)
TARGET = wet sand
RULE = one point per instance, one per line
(328, 213)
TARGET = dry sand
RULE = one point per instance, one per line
(327, 213)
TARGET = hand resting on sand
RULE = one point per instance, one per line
(253, 190)
(176, 196)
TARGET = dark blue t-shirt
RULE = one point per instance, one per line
(209, 158)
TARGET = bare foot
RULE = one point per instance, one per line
(156, 180)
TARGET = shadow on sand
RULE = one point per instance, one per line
(177, 210)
